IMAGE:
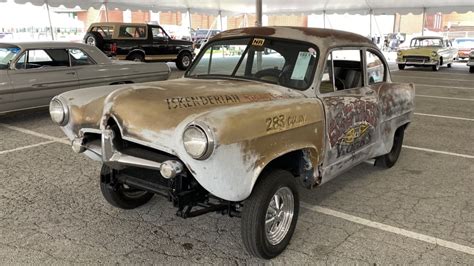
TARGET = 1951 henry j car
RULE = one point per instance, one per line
(260, 110)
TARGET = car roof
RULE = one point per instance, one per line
(119, 23)
(320, 37)
(430, 37)
(93, 51)
(49, 44)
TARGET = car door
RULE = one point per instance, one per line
(40, 74)
(6, 95)
(351, 111)
(162, 50)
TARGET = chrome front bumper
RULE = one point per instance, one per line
(105, 151)
(424, 63)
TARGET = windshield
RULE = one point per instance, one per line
(427, 42)
(284, 62)
(6, 55)
(468, 43)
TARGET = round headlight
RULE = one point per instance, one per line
(59, 112)
(196, 142)
(434, 54)
(399, 53)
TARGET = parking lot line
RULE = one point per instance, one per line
(448, 117)
(391, 229)
(446, 98)
(441, 86)
(431, 78)
(440, 152)
(33, 133)
(27, 147)
(437, 73)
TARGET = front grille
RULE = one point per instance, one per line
(420, 59)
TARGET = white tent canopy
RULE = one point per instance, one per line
(228, 7)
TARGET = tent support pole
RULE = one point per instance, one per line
(324, 18)
(423, 22)
(371, 14)
(106, 11)
(258, 4)
(220, 21)
(49, 17)
(190, 21)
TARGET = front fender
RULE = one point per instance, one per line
(250, 136)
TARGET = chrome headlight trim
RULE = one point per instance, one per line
(209, 138)
(434, 54)
(58, 102)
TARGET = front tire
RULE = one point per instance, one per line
(120, 195)
(388, 160)
(184, 60)
(270, 214)
(471, 69)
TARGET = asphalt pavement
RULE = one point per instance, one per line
(421, 211)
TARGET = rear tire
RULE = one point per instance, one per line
(94, 38)
(471, 69)
(388, 160)
(137, 57)
(270, 214)
(401, 67)
(449, 65)
(120, 195)
(184, 60)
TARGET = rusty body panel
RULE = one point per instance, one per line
(252, 122)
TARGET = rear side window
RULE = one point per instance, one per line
(80, 58)
(375, 68)
(132, 32)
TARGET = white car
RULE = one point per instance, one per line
(32, 73)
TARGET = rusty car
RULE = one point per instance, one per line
(260, 111)
(32, 73)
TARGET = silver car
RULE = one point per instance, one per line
(31, 74)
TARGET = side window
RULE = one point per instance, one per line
(132, 32)
(343, 71)
(37, 58)
(158, 33)
(79, 58)
(375, 68)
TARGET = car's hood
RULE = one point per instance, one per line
(149, 110)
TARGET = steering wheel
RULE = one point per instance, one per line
(270, 74)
